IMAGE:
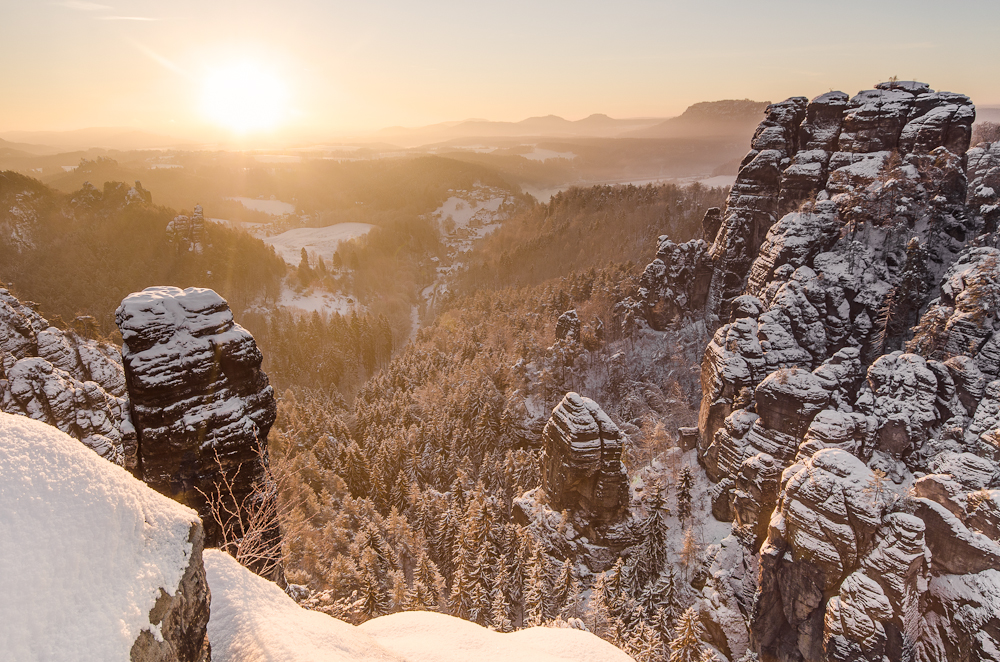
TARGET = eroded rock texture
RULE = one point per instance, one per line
(582, 471)
(59, 377)
(201, 405)
(850, 412)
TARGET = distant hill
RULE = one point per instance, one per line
(988, 114)
(731, 117)
(8, 148)
(594, 126)
(120, 138)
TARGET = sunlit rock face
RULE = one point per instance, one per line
(202, 407)
(850, 413)
(62, 378)
(582, 471)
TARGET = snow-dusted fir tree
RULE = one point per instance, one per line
(684, 485)
(686, 646)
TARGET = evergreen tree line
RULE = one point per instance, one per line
(405, 499)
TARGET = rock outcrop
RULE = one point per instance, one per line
(855, 279)
(582, 467)
(674, 286)
(202, 407)
(95, 564)
(188, 232)
(59, 377)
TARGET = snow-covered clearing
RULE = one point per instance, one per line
(236, 225)
(321, 242)
(321, 301)
(254, 621)
(85, 548)
(272, 207)
(539, 154)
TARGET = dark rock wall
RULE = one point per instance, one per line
(200, 403)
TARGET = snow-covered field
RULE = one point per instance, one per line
(272, 207)
(321, 242)
(85, 548)
(324, 302)
(254, 621)
(238, 225)
(539, 154)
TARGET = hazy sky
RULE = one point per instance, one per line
(328, 66)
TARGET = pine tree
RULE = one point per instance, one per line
(499, 607)
(598, 613)
(684, 486)
(566, 592)
(535, 592)
(686, 646)
(650, 555)
(375, 599)
(304, 271)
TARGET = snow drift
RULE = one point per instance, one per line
(86, 552)
(254, 621)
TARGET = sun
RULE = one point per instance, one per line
(245, 97)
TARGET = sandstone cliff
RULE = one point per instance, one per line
(66, 380)
(850, 393)
(202, 407)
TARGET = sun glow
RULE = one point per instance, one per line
(244, 97)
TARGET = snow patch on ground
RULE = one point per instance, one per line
(321, 242)
(539, 154)
(84, 548)
(318, 301)
(254, 621)
(272, 207)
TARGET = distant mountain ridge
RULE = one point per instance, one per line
(730, 117)
(122, 138)
(735, 117)
(594, 126)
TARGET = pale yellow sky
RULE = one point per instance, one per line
(315, 69)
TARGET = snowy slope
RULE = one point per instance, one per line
(84, 548)
(254, 621)
(322, 242)
(423, 636)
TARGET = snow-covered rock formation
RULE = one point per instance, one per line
(66, 380)
(850, 408)
(94, 565)
(201, 405)
(582, 467)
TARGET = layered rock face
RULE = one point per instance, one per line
(66, 380)
(202, 407)
(851, 392)
(582, 468)
(675, 284)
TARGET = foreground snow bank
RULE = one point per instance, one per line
(254, 621)
(85, 549)
(423, 636)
